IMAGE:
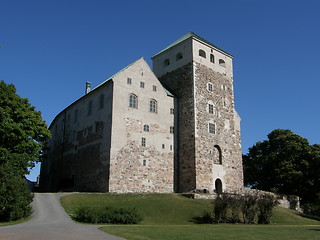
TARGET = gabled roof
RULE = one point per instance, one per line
(187, 36)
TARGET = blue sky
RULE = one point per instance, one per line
(49, 49)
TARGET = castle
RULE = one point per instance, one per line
(173, 129)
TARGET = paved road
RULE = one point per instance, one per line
(51, 222)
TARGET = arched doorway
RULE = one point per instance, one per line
(218, 186)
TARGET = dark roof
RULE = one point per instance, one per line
(187, 36)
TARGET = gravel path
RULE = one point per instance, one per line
(51, 222)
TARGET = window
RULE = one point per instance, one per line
(153, 106)
(133, 101)
(144, 163)
(171, 111)
(89, 108)
(101, 101)
(170, 147)
(222, 63)
(202, 53)
(179, 56)
(163, 146)
(154, 88)
(143, 142)
(212, 58)
(210, 87)
(210, 108)
(172, 129)
(142, 84)
(217, 154)
(146, 128)
(129, 81)
(166, 62)
(212, 128)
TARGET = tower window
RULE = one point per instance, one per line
(179, 56)
(166, 62)
(222, 63)
(210, 87)
(172, 129)
(212, 58)
(146, 128)
(153, 106)
(212, 128)
(210, 108)
(129, 81)
(163, 146)
(142, 84)
(217, 154)
(144, 163)
(133, 101)
(202, 53)
(171, 110)
(143, 142)
(154, 88)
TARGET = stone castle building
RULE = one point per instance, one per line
(173, 129)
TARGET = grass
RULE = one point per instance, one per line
(2, 224)
(156, 209)
(211, 232)
(171, 216)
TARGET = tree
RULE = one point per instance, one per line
(285, 163)
(23, 134)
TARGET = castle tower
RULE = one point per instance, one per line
(207, 127)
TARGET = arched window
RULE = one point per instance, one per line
(133, 101)
(153, 106)
(212, 58)
(202, 53)
(217, 155)
(166, 62)
(222, 63)
(218, 186)
(179, 56)
(146, 128)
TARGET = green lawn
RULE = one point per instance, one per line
(211, 232)
(162, 211)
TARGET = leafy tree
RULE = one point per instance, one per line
(285, 163)
(22, 136)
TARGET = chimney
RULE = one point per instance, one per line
(88, 84)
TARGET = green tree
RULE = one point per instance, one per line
(23, 134)
(285, 163)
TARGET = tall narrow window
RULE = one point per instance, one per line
(210, 108)
(154, 88)
(143, 142)
(172, 129)
(142, 84)
(146, 128)
(153, 106)
(210, 87)
(212, 58)
(171, 111)
(89, 108)
(212, 128)
(202, 53)
(133, 101)
(129, 81)
(217, 154)
(101, 101)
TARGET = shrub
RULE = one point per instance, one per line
(249, 208)
(15, 198)
(107, 215)
(266, 203)
(220, 209)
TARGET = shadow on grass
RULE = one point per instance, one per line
(309, 216)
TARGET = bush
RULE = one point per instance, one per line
(249, 208)
(220, 208)
(107, 215)
(266, 203)
(15, 198)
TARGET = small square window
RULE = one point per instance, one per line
(154, 88)
(129, 81)
(142, 84)
(212, 128)
(146, 128)
(143, 142)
